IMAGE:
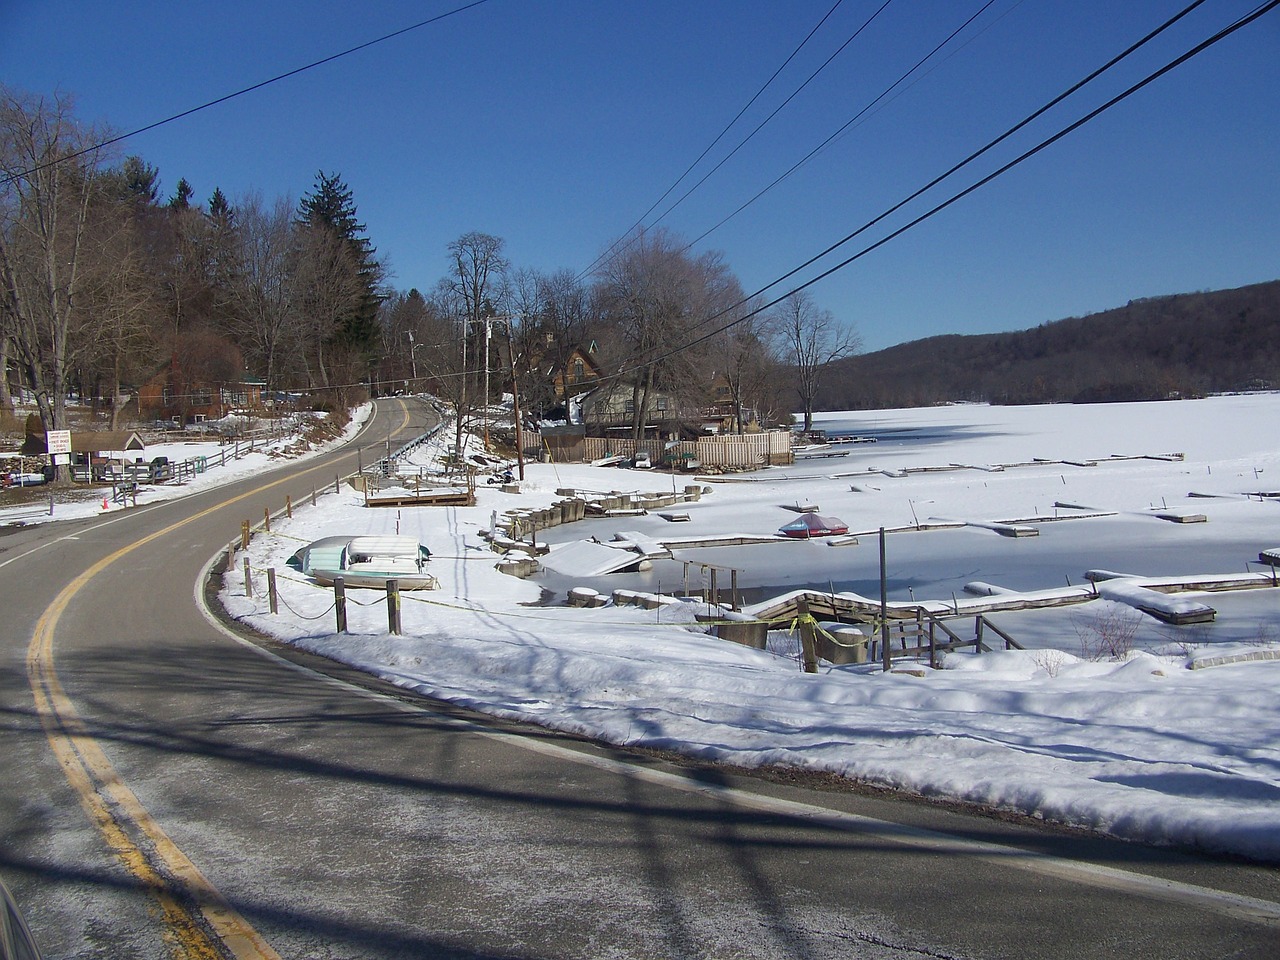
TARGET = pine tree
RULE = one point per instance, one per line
(181, 199)
(331, 206)
(219, 208)
(141, 181)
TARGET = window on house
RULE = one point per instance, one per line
(661, 403)
(579, 371)
(629, 407)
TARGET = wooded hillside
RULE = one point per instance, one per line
(1180, 345)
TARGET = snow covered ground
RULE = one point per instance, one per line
(81, 501)
(1138, 746)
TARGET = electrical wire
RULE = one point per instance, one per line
(990, 145)
(239, 93)
(846, 125)
(615, 250)
(1199, 48)
(778, 110)
(610, 252)
(955, 168)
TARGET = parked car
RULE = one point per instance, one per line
(25, 479)
(642, 461)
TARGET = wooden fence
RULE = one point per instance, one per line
(736, 451)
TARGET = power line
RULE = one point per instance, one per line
(847, 124)
(610, 251)
(239, 93)
(614, 249)
(1199, 48)
(779, 109)
(1132, 48)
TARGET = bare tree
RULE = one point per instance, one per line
(119, 308)
(655, 294)
(479, 285)
(556, 314)
(48, 179)
(325, 288)
(260, 292)
(747, 362)
(812, 338)
(444, 364)
(407, 329)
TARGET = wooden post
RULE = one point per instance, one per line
(337, 484)
(885, 653)
(734, 598)
(808, 638)
(686, 577)
(266, 519)
(715, 590)
(393, 606)
(248, 583)
(340, 603)
(244, 534)
(51, 504)
(933, 646)
(271, 589)
(288, 506)
(313, 496)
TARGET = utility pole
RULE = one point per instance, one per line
(413, 361)
(462, 401)
(515, 402)
(488, 330)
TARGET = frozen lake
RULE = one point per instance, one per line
(936, 564)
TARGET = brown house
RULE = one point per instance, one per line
(581, 372)
(163, 397)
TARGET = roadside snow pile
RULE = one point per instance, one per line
(1098, 723)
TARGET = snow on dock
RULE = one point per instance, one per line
(1166, 609)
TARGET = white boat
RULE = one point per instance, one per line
(366, 562)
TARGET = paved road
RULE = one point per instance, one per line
(171, 790)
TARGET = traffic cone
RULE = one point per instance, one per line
(105, 506)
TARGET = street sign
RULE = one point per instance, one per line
(58, 441)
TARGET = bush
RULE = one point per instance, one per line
(1109, 633)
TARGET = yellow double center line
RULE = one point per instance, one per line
(184, 895)
(199, 921)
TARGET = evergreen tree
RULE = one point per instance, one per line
(140, 180)
(222, 248)
(181, 199)
(219, 208)
(330, 206)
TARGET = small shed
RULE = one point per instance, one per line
(95, 454)
(99, 442)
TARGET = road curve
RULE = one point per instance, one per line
(173, 790)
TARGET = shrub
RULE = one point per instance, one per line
(1109, 633)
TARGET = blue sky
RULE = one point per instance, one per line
(555, 125)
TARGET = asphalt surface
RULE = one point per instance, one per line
(171, 790)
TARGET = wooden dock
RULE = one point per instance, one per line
(461, 493)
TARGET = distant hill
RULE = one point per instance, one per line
(1186, 344)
